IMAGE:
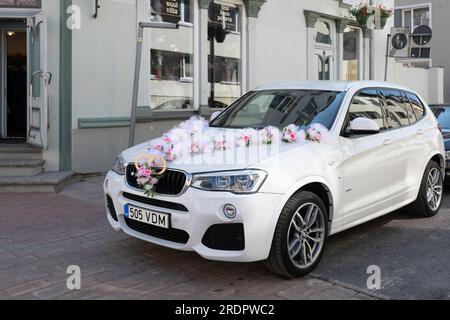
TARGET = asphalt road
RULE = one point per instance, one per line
(413, 255)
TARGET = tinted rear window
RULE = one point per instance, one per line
(416, 104)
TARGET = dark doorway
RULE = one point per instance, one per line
(16, 83)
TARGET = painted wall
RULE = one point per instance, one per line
(103, 60)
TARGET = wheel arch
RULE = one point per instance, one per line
(316, 185)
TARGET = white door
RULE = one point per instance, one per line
(324, 49)
(39, 80)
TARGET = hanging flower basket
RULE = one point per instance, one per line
(363, 12)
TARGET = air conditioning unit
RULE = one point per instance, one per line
(421, 42)
(400, 44)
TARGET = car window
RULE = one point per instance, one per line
(416, 104)
(366, 104)
(280, 108)
(443, 116)
(397, 115)
(409, 108)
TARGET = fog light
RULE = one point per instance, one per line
(230, 211)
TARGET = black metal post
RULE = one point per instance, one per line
(387, 58)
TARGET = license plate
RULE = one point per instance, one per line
(153, 218)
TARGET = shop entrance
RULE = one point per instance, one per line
(24, 80)
(13, 72)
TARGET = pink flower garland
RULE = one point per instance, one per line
(194, 136)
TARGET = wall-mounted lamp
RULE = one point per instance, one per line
(96, 7)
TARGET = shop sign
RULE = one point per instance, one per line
(171, 10)
(223, 15)
(21, 4)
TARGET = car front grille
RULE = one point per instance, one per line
(226, 237)
(172, 183)
(173, 235)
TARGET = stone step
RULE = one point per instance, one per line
(19, 151)
(45, 182)
(21, 167)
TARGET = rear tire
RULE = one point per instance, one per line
(300, 236)
(429, 200)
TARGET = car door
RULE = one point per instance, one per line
(370, 165)
(404, 136)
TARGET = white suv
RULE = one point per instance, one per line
(384, 152)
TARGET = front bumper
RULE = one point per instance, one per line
(256, 212)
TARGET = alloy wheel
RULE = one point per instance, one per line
(306, 235)
(434, 189)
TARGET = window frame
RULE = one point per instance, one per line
(347, 114)
(411, 8)
(359, 52)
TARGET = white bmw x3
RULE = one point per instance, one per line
(384, 152)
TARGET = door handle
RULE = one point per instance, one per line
(420, 132)
(388, 142)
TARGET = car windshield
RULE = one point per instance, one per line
(280, 108)
(443, 116)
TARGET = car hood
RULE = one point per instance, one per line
(255, 157)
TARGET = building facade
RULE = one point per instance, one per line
(433, 13)
(81, 65)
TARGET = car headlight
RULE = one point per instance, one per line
(240, 182)
(119, 166)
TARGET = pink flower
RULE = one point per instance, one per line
(158, 147)
(154, 181)
(141, 172)
(195, 148)
(147, 173)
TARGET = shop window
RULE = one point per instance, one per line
(351, 60)
(323, 32)
(172, 66)
(225, 54)
(171, 60)
(226, 70)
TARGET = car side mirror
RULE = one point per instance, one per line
(364, 126)
(214, 115)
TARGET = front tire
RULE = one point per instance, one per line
(429, 200)
(300, 236)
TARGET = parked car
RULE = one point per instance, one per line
(281, 209)
(442, 113)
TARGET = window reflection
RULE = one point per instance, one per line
(224, 57)
(171, 74)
